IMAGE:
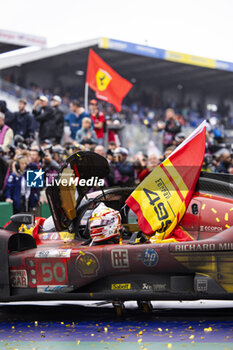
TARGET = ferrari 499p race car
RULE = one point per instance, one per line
(60, 263)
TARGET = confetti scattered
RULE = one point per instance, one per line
(106, 329)
(203, 206)
(160, 329)
(191, 336)
(209, 329)
(169, 345)
(227, 226)
(78, 342)
(217, 219)
(139, 340)
(36, 323)
(226, 217)
(213, 210)
(231, 209)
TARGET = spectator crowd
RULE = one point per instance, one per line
(44, 137)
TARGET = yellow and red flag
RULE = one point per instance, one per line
(161, 199)
(107, 83)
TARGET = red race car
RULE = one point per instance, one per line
(61, 262)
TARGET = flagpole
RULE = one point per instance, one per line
(86, 97)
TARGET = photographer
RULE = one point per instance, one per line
(49, 165)
(123, 170)
(23, 121)
(45, 116)
(58, 115)
(22, 197)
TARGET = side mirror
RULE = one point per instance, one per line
(23, 218)
(18, 219)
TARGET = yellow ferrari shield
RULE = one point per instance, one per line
(103, 78)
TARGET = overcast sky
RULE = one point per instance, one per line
(200, 27)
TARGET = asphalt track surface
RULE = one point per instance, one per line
(70, 326)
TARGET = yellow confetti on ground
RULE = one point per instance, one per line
(160, 329)
(81, 252)
(213, 210)
(217, 219)
(169, 346)
(226, 217)
(106, 329)
(13, 327)
(78, 342)
(92, 335)
(203, 206)
(62, 322)
(209, 329)
(36, 323)
(227, 226)
(140, 333)
(231, 209)
(139, 340)
(191, 336)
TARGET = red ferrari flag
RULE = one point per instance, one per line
(160, 200)
(108, 84)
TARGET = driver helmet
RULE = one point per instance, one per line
(104, 223)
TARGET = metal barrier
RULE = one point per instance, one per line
(6, 211)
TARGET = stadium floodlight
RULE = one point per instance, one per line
(212, 107)
(79, 73)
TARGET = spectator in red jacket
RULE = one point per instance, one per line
(98, 120)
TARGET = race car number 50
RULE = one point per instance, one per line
(52, 273)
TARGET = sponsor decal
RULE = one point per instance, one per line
(54, 289)
(203, 247)
(119, 258)
(53, 253)
(66, 236)
(18, 278)
(87, 264)
(149, 257)
(54, 235)
(146, 286)
(159, 287)
(211, 229)
(121, 286)
(202, 285)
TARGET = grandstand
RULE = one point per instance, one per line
(179, 75)
(10, 41)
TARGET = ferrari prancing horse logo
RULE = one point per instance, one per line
(103, 79)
